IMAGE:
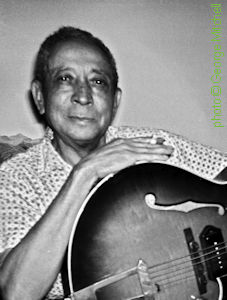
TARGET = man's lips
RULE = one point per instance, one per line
(81, 118)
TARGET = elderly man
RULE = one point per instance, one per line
(75, 88)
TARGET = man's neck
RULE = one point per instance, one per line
(72, 153)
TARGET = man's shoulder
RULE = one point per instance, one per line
(24, 160)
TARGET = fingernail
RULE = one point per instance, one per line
(160, 140)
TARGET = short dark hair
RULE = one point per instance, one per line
(69, 33)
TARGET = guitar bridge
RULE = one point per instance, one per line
(147, 286)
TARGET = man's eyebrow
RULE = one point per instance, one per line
(58, 69)
(102, 72)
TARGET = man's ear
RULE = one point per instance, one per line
(37, 94)
(117, 101)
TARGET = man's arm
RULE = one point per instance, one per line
(30, 269)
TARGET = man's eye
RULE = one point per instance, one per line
(65, 78)
(100, 82)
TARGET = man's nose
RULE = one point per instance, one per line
(82, 94)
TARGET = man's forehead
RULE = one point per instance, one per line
(79, 53)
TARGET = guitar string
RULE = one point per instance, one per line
(182, 271)
(182, 274)
(170, 282)
(160, 288)
(190, 262)
(188, 256)
(188, 270)
(163, 286)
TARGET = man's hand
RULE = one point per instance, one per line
(122, 153)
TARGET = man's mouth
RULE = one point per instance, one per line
(82, 119)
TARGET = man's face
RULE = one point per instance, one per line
(78, 100)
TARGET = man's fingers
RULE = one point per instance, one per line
(144, 142)
(151, 140)
(151, 158)
(159, 149)
(141, 148)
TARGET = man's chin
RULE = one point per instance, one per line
(86, 137)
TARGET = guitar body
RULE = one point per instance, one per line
(166, 225)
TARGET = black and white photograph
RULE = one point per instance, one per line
(113, 150)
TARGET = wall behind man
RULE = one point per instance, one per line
(163, 49)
